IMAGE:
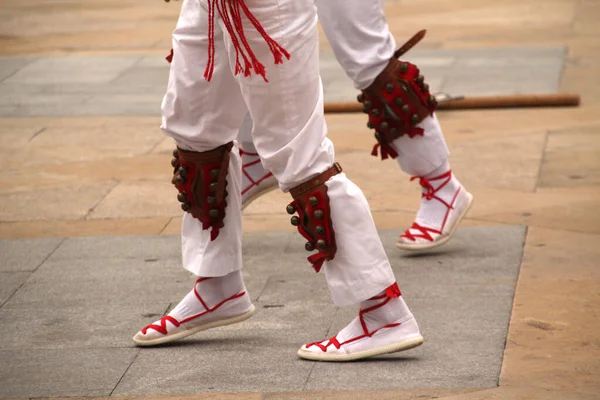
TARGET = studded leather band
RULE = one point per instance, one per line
(316, 181)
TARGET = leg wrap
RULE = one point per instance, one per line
(201, 179)
(314, 216)
(397, 101)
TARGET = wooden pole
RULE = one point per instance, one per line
(469, 103)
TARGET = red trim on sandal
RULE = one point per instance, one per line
(430, 194)
(391, 292)
(249, 164)
(162, 328)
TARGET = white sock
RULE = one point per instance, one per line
(432, 212)
(213, 292)
(394, 309)
(252, 169)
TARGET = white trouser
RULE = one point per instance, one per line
(362, 43)
(289, 134)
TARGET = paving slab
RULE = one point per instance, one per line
(21, 255)
(83, 304)
(55, 373)
(134, 84)
(9, 283)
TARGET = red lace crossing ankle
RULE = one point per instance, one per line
(162, 328)
(247, 175)
(429, 195)
(390, 293)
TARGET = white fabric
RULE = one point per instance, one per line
(213, 291)
(359, 36)
(289, 133)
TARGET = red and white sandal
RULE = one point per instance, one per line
(357, 341)
(169, 329)
(252, 189)
(422, 235)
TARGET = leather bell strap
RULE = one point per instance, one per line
(410, 43)
(316, 181)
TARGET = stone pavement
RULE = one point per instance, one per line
(80, 300)
(130, 84)
(84, 188)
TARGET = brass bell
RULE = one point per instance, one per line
(295, 220)
(290, 209)
(370, 125)
(185, 206)
(182, 171)
(403, 67)
(393, 131)
(213, 187)
(365, 110)
(175, 153)
(309, 246)
(211, 199)
(378, 136)
(179, 180)
(384, 126)
(425, 87)
(405, 108)
(389, 87)
(399, 102)
(320, 230)
(431, 100)
(213, 213)
(312, 200)
(368, 104)
(414, 119)
(420, 79)
(375, 112)
(321, 244)
(214, 173)
(360, 98)
(174, 162)
(319, 214)
(182, 197)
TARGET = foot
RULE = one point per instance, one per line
(385, 326)
(195, 313)
(256, 180)
(444, 203)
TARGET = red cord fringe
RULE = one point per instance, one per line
(230, 12)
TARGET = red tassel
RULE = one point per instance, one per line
(229, 11)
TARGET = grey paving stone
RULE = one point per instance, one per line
(93, 294)
(19, 255)
(71, 282)
(79, 69)
(59, 373)
(134, 85)
(10, 65)
(41, 99)
(257, 355)
(75, 326)
(130, 247)
(10, 282)
(8, 111)
(219, 365)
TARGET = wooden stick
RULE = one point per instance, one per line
(468, 103)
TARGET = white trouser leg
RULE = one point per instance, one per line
(359, 36)
(421, 155)
(201, 116)
(244, 136)
(290, 135)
